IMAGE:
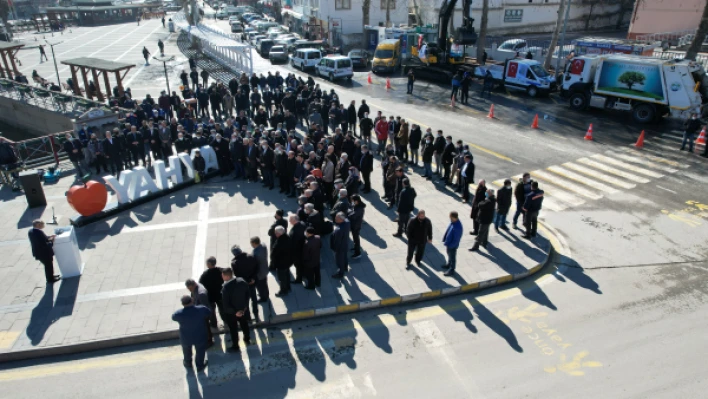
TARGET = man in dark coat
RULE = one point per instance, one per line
(532, 206)
(485, 217)
(245, 266)
(339, 244)
(405, 205)
(212, 281)
(419, 232)
(223, 155)
(479, 196)
(504, 196)
(267, 157)
(356, 219)
(438, 148)
(366, 166)
(72, 146)
(192, 332)
(112, 153)
(260, 253)
(311, 259)
(447, 158)
(297, 242)
(235, 297)
(252, 161)
(281, 259)
(279, 221)
(42, 250)
(466, 176)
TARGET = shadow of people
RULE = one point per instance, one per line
(576, 273)
(49, 310)
(495, 324)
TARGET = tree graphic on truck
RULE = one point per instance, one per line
(630, 78)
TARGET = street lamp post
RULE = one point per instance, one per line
(54, 58)
(165, 60)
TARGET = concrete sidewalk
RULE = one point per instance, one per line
(136, 263)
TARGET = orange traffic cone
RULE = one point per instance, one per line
(491, 112)
(534, 125)
(369, 79)
(388, 83)
(702, 137)
(588, 135)
(640, 141)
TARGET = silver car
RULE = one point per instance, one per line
(278, 54)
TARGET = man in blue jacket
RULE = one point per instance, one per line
(451, 239)
(192, 331)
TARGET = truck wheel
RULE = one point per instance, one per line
(644, 113)
(532, 91)
(578, 101)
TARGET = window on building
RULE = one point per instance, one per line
(342, 4)
(392, 2)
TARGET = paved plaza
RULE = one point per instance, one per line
(137, 262)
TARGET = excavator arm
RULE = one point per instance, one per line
(465, 34)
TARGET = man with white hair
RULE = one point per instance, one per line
(339, 243)
(281, 259)
(342, 204)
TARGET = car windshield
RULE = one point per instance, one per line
(344, 64)
(509, 45)
(355, 54)
(383, 54)
(539, 71)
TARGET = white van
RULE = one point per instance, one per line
(335, 67)
(264, 26)
(305, 58)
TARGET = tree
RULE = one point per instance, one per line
(482, 30)
(556, 33)
(700, 36)
(630, 78)
(366, 11)
(388, 13)
(416, 12)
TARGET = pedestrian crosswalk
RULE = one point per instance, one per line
(592, 178)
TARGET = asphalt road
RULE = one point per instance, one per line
(622, 318)
(621, 333)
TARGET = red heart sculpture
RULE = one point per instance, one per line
(88, 200)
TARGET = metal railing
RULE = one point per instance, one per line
(679, 55)
(38, 151)
(63, 103)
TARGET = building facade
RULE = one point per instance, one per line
(658, 16)
(341, 22)
(506, 17)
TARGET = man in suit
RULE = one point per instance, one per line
(252, 161)
(112, 150)
(281, 259)
(405, 205)
(279, 221)
(297, 242)
(260, 253)
(42, 250)
(448, 156)
(419, 232)
(212, 281)
(339, 244)
(234, 297)
(201, 297)
(192, 332)
(245, 266)
(73, 147)
(466, 177)
(267, 158)
(311, 259)
(366, 166)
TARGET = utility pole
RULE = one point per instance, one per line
(562, 44)
(165, 60)
(54, 58)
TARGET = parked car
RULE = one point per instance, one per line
(236, 28)
(256, 38)
(278, 53)
(306, 58)
(335, 67)
(264, 47)
(360, 58)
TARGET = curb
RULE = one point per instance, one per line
(295, 316)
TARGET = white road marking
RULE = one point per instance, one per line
(627, 166)
(582, 179)
(654, 158)
(641, 161)
(201, 240)
(666, 189)
(600, 176)
(435, 342)
(542, 175)
(612, 170)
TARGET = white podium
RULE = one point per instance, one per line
(66, 250)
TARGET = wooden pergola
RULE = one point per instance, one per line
(97, 67)
(7, 52)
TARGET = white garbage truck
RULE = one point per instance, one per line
(649, 88)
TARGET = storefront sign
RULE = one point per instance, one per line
(513, 15)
